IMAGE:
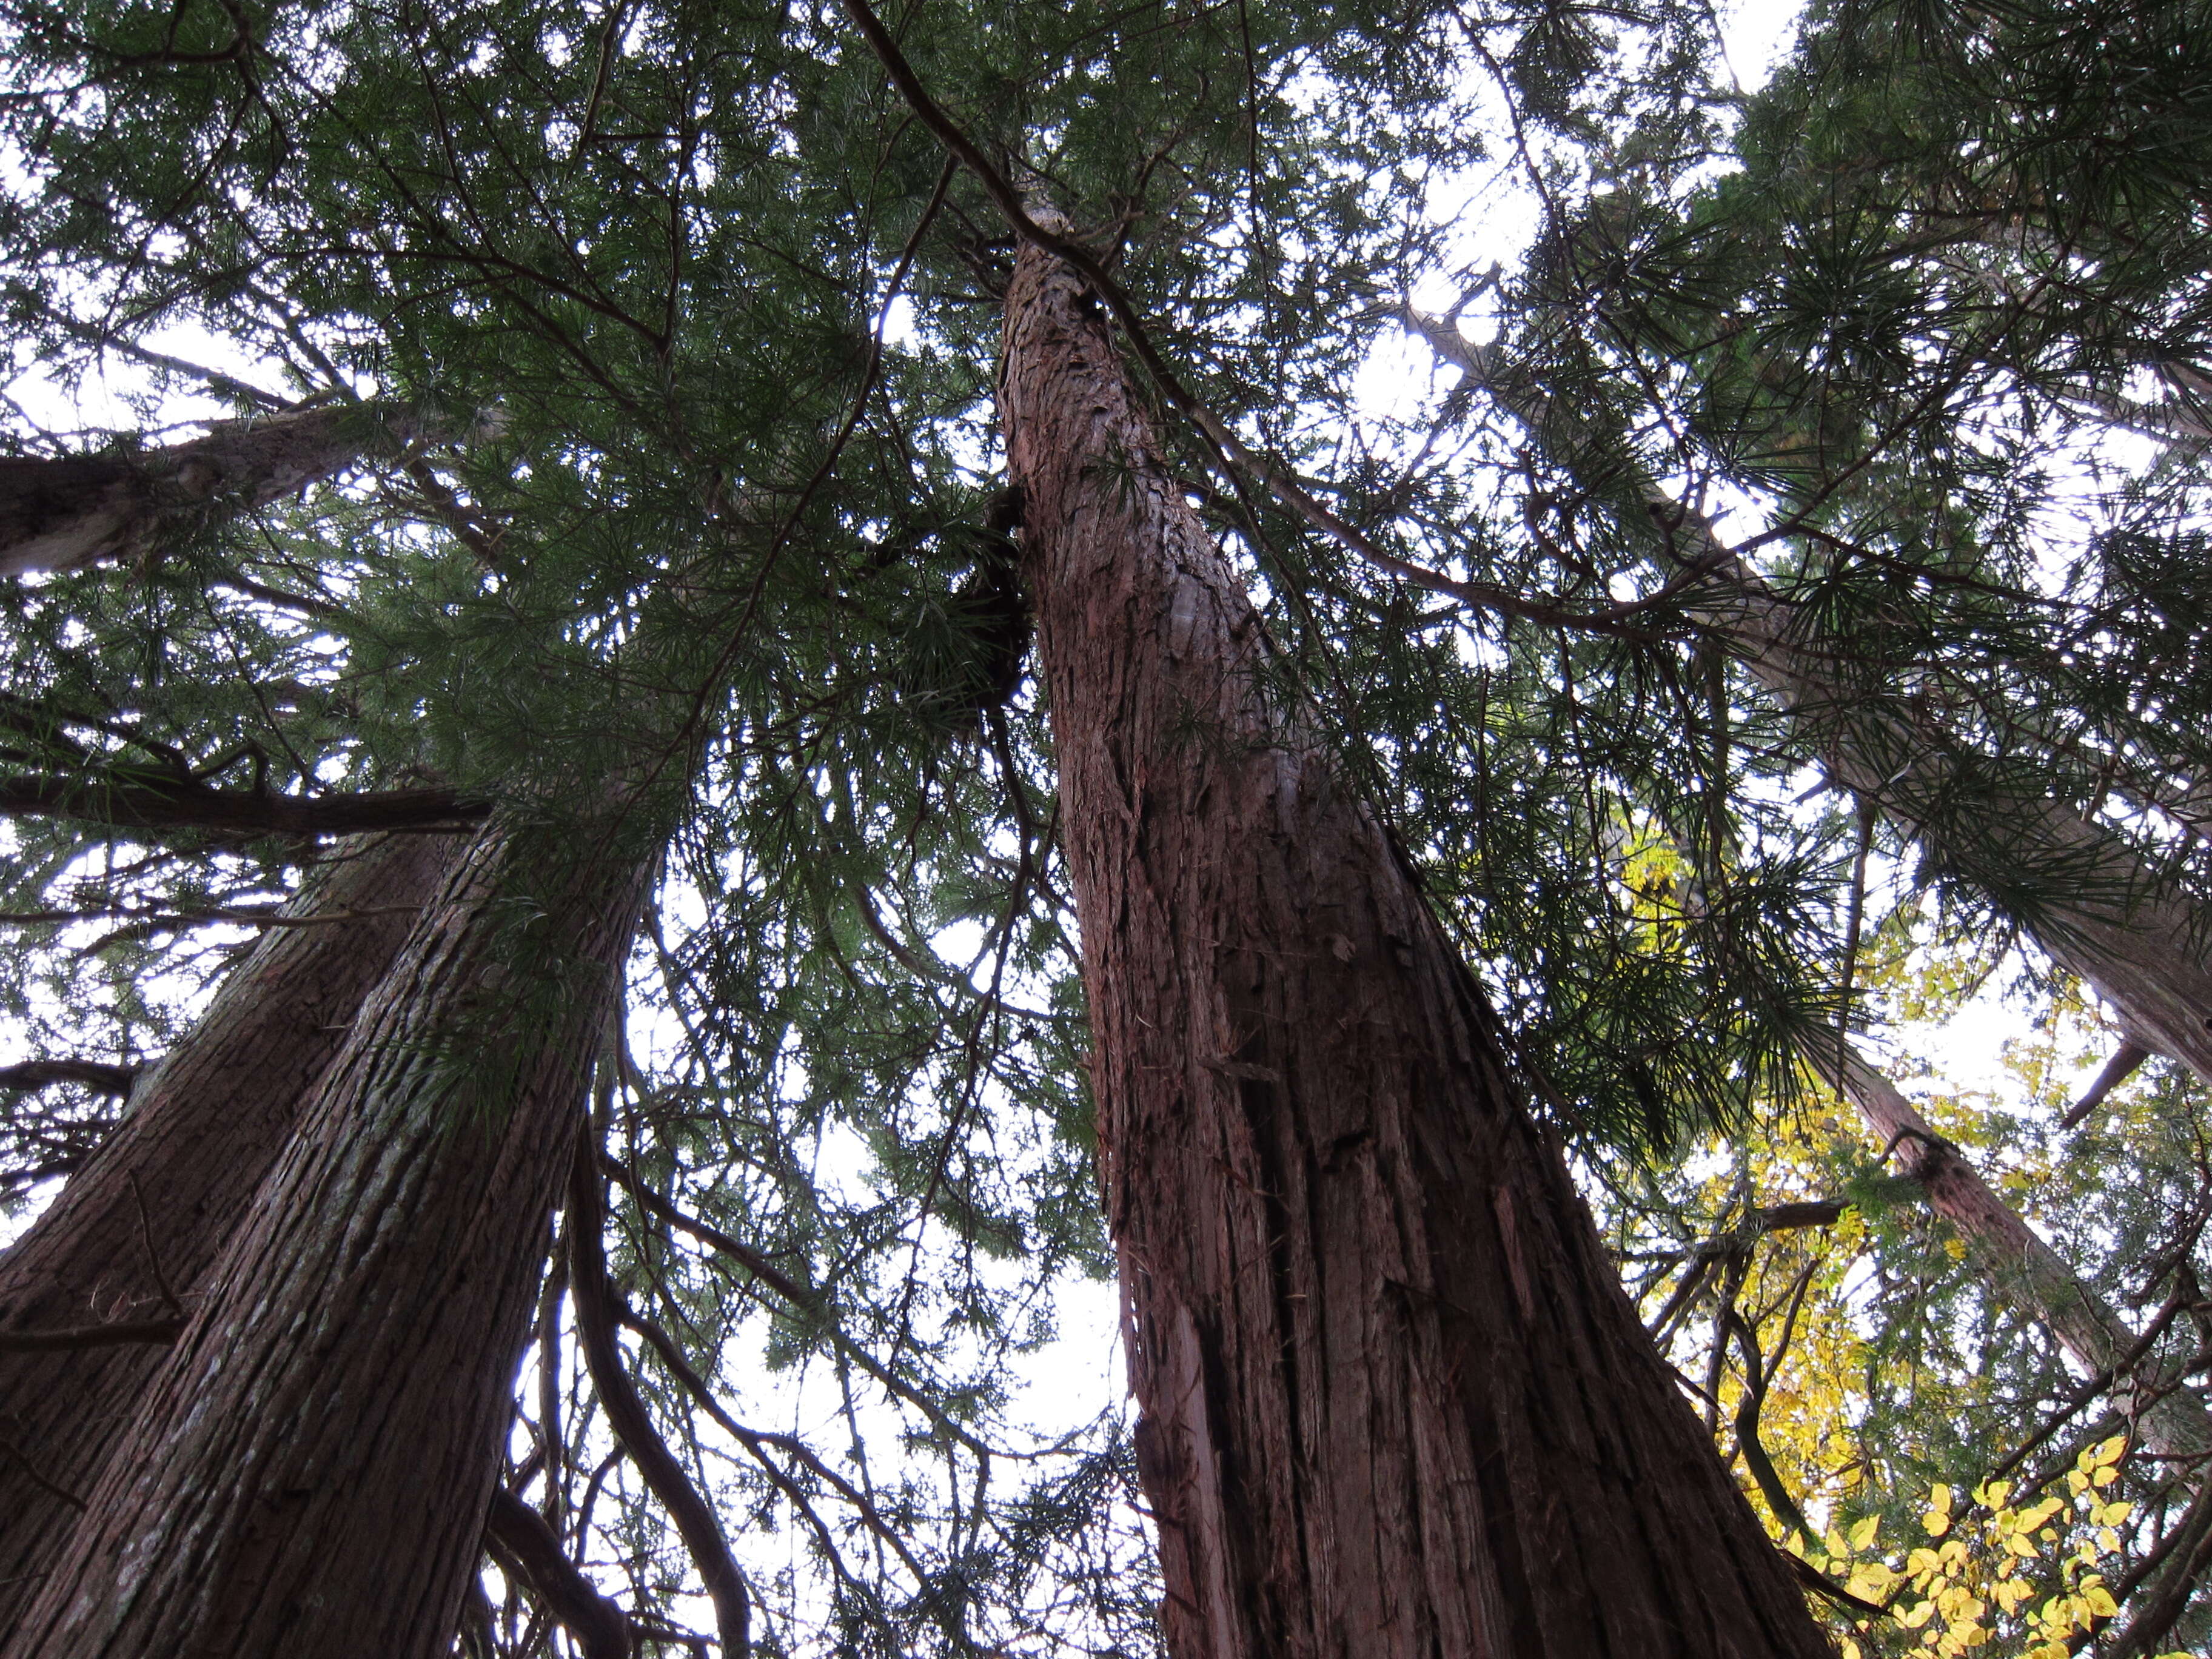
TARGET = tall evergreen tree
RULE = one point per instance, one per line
(729, 533)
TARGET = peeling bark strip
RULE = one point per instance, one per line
(308, 1471)
(1395, 1402)
(67, 512)
(151, 1210)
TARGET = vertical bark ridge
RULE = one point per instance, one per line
(1394, 1399)
(309, 1470)
(153, 1205)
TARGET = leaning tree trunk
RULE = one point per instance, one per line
(2170, 1417)
(2088, 900)
(143, 1219)
(308, 1471)
(1394, 1399)
(63, 512)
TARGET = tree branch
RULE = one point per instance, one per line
(66, 512)
(2126, 1060)
(597, 1315)
(526, 1548)
(70, 1337)
(1229, 451)
(154, 801)
(97, 1075)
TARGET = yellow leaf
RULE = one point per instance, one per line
(2108, 1451)
(2110, 1515)
(2106, 1476)
(1834, 1540)
(1939, 1499)
(1993, 1493)
(2107, 1539)
(2101, 1603)
(1863, 1535)
(1918, 1614)
(1936, 1523)
(1871, 1582)
(2076, 1482)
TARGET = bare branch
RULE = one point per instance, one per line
(597, 1315)
(97, 1075)
(526, 1548)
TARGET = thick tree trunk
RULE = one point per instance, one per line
(1394, 1399)
(2170, 1416)
(2096, 909)
(308, 1471)
(67, 512)
(146, 1216)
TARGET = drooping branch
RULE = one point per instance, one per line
(596, 1319)
(64, 512)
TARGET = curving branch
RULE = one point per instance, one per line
(598, 1311)
(527, 1549)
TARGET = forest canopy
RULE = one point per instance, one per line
(514, 540)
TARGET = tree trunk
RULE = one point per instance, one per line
(149, 1213)
(63, 512)
(2098, 911)
(2170, 1416)
(308, 1471)
(1394, 1399)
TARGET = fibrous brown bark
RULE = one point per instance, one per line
(308, 1471)
(1394, 1399)
(146, 1216)
(64, 512)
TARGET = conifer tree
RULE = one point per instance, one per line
(734, 533)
